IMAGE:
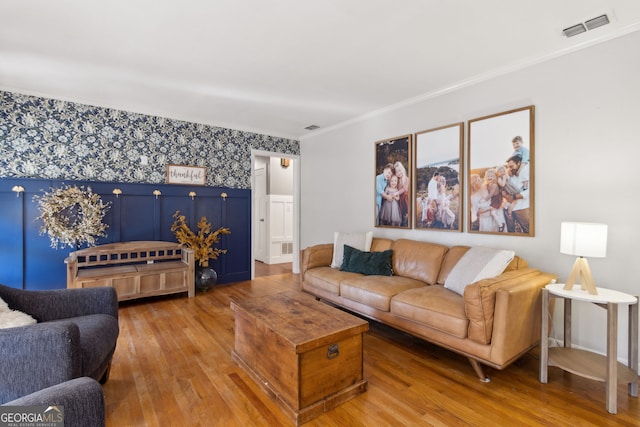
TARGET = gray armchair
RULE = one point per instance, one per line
(75, 336)
(81, 398)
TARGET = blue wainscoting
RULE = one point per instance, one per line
(28, 261)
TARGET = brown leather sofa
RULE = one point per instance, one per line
(494, 323)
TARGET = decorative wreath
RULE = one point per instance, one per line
(72, 216)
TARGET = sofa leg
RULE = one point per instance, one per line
(105, 376)
(479, 371)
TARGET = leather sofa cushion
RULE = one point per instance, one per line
(418, 260)
(379, 244)
(327, 278)
(376, 291)
(480, 301)
(433, 306)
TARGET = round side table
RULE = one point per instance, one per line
(605, 369)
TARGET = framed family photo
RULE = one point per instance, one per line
(392, 182)
(438, 175)
(501, 173)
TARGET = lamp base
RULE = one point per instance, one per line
(581, 270)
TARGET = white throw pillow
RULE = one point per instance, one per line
(477, 264)
(13, 318)
(360, 241)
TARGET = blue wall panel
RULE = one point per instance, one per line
(137, 221)
(44, 267)
(28, 260)
(239, 241)
(168, 206)
(11, 240)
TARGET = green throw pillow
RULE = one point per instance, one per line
(369, 263)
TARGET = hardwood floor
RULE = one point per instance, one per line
(263, 269)
(173, 367)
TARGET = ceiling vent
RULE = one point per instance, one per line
(312, 127)
(574, 31)
(582, 27)
(597, 22)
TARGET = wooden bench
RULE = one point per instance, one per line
(135, 269)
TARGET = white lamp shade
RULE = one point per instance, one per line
(583, 239)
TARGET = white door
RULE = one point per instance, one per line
(260, 226)
(280, 232)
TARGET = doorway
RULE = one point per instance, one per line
(275, 213)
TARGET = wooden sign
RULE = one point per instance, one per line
(193, 175)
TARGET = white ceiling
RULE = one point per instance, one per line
(276, 66)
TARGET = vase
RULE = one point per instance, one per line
(206, 277)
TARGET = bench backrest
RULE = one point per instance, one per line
(127, 252)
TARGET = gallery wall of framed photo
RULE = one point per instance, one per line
(393, 183)
(423, 180)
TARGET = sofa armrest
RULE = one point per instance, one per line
(37, 356)
(316, 256)
(517, 318)
(480, 301)
(61, 303)
(81, 398)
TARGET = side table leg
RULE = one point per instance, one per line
(612, 357)
(633, 346)
(567, 322)
(544, 337)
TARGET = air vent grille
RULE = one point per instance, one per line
(597, 22)
(588, 25)
(574, 31)
(287, 248)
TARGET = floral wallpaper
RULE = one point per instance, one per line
(52, 139)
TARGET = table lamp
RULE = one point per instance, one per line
(583, 239)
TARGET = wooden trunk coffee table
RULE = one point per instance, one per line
(305, 354)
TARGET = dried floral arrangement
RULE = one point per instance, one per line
(72, 216)
(202, 242)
